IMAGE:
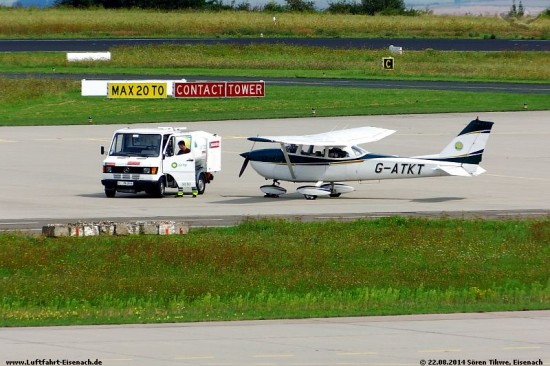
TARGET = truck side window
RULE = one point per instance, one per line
(170, 147)
(184, 145)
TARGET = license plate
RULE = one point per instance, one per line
(122, 183)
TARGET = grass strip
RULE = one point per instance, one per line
(44, 102)
(265, 269)
(101, 23)
(280, 60)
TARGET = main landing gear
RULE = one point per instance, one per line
(273, 190)
(331, 189)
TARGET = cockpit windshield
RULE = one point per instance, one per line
(359, 151)
(337, 152)
(136, 144)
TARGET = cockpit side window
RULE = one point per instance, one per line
(291, 148)
(336, 152)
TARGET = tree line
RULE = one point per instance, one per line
(366, 7)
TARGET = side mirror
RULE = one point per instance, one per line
(102, 150)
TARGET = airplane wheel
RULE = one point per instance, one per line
(310, 196)
(271, 196)
(335, 194)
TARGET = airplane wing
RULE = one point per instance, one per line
(338, 138)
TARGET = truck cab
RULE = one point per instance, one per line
(151, 160)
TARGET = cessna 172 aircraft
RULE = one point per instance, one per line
(326, 159)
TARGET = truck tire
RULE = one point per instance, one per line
(159, 190)
(110, 192)
(201, 183)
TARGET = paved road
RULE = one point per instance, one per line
(53, 173)
(94, 45)
(455, 339)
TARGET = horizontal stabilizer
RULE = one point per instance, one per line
(464, 170)
(454, 170)
(474, 169)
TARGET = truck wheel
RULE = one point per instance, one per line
(201, 183)
(110, 192)
(159, 191)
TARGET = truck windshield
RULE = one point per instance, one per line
(136, 144)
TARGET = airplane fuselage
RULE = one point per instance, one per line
(367, 167)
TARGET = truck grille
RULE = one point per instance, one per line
(126, 176)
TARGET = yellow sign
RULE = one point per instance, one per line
(387, 63)
(136, 90)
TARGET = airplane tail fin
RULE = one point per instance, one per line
(468, 146)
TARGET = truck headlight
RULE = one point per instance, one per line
(107, 169)
(151, 170)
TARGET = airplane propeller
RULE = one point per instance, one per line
(245, 163)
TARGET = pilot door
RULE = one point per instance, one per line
(179, 163)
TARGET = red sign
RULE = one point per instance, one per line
(214, 144)
(239, 89)
(219, 89)
(200, 89)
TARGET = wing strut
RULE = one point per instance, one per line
(287, 158)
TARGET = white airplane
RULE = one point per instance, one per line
(326, 159)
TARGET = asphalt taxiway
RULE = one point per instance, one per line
(53, 173)
(416, 340)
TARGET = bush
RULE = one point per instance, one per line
(343, 7)
(272, 6)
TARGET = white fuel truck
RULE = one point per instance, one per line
(152, 159)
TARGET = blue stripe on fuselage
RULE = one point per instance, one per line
(277, 156)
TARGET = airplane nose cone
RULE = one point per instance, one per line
(245, 155)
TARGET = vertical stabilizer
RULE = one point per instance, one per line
(468, 146)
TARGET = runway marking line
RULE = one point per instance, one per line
(356, 353)
(273, 356)
(515, 177)
(439, 350)
(524, 347)
(195, 358)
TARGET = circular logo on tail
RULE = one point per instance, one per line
(459, 145)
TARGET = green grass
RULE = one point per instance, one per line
(277, 269)
(74, 23)
(58, 102)
(49, 101)
(292, 61)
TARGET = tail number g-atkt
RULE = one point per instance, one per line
(400, 168)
